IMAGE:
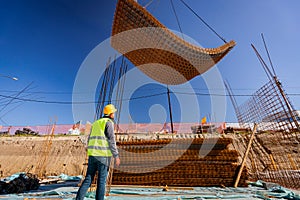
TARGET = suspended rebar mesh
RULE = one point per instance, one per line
(157, 51)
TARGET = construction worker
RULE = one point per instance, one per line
(101, 147)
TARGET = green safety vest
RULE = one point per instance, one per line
(98, 143)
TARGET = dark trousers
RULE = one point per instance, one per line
(100, 164)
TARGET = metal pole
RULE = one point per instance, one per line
(170, 109)
(287, 103)
(109, 176)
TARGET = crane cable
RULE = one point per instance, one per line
(173, 8)
(150, 2)
(203, 21)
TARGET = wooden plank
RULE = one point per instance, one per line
(245, 156)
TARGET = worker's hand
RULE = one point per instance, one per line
(117, 161)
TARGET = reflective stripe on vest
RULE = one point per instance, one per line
(98, 143)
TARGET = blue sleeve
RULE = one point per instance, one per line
(109, 133)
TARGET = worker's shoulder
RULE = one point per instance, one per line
(109, 122)
(106, 120)
(103, 119)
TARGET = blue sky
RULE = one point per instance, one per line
(44, 43)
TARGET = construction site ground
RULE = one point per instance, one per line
(67, 190)
(67, 156)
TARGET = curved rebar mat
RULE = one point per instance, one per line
(157, 51)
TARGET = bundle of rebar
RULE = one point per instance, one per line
(218, 168)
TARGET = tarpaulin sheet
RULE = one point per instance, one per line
(136, 193)
(68, 189)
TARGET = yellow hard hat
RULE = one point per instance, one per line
(108, 109)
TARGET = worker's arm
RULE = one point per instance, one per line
(109, 133)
